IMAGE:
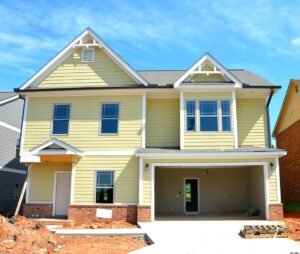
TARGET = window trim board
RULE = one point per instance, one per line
(52, 119)
(95, 185)
(100, 120)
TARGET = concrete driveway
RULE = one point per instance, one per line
(211, 236)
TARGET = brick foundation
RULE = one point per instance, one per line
(275, 212)
(143, 213)
(87, 213)
(37, 210)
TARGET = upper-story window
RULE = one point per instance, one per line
(226, 116)
(88, 55)
(61, 117)
(110, 118)
(190, 116)
(104, 187)
(208, 115)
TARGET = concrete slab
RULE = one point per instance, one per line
(212, 236)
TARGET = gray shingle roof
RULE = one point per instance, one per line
(6, 95)
(164, 77)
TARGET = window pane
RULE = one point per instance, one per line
(226, 126)
(208, 123)
(60, 126)
(225, 107)
(109, 126)
(104, 195)
(190, 108)
(110, 111)
(208, 108)
(61, 112)
(190, 124)
(105, 179)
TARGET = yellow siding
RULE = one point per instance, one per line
(163, 123)
(126, 177)
(84, 123)
(208, 140)
(252, 122)
(73, 73)
(42, 180)
(290, 113)
(147, 187)
(210, 78)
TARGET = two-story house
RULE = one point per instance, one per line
(12, 172)
(104, 140)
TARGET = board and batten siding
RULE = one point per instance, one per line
(163, 123)
(41, 179)
(85, 122)
(125, 178)
(207, 140)
(252, 122)
(73, 73)
(147, 187)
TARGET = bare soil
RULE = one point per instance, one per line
(292, 220)
(19, 235)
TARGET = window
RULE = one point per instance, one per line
(190, 116)
(110, 118)
(226, 119)
(104, 186)
(208, 115)
(87, 55)
(61, 115)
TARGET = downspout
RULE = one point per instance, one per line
(268, 117)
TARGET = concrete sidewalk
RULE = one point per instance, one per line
(211, 237)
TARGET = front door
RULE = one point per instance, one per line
(62, 193)
(191, 195)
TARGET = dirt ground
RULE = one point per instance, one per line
(292, 220)
(19, 235)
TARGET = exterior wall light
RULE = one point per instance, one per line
(146, 167)
(272, 165)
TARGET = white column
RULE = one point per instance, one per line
(23, 126)
(181, 120)
(28, 183)
(278, 181)
(141, 171)
(72, 182)
(144, 121)
(234, 115)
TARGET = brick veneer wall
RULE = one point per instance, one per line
(275, 212)
(289, 140)
(87, 213)
(37, 210)
(144, 213)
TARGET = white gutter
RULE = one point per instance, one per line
(9, 100)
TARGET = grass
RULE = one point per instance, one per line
(292, 206)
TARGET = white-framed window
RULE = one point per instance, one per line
(61, 118)
(190, 115)
(226, 116)
(104, 187)
(208, 115)
(88, 55)
(109, 118)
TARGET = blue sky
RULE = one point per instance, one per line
(262, 36)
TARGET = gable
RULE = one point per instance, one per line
(74, 73)
(207, 69)
(290, 112)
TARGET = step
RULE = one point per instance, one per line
(49, 221)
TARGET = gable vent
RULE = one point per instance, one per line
(87, 55)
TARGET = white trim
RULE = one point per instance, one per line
(212, 154)
(182, 119)
(234, 116)
(278, 181)
(8, 126)
(207, 87)
(215, 63)
(184, 198)
(95, 185)
(144, 121)
(9, 99)
(101, 204)
(93, 56)
(12, 170)
(72, 182)
(54, 188)
(40, 203)
(69, 47)
(264, 164)
(141, 176)
(28, 184)
(23, 129)
(109, 153)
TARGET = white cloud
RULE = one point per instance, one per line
(296, 41)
